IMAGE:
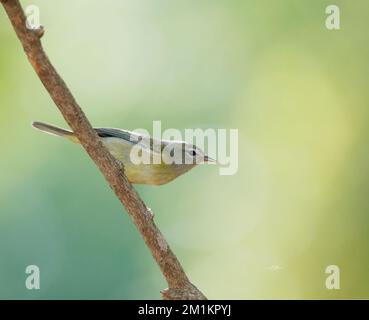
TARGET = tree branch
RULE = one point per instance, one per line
(179, 285)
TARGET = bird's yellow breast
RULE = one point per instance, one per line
(154, 174)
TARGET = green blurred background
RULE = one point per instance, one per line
(297, 92)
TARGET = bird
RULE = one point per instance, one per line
(172, 158)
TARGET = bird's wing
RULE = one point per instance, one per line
(118, 133)
(145, 141)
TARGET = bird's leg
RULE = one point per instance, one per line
(120, 164)
(149, 212)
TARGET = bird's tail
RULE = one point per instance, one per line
(48, 128)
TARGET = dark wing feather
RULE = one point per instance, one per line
(118, 133)
(129, 136)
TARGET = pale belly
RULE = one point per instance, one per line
(154, 174)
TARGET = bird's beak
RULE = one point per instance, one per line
(208, 159)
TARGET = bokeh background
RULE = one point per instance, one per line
(297, 92)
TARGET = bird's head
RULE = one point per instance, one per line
(183, 153)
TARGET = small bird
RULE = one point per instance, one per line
(175, 157)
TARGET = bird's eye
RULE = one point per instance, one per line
(193, 153)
